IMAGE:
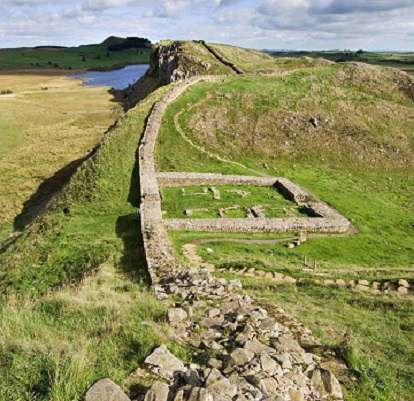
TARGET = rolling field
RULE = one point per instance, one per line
(402, 61)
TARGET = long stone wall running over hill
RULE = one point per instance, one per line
(245, 348)
(158, 250)
(221, 58)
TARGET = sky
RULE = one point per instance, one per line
(260, 24)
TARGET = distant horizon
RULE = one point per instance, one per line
(266, 49)
(271, 24)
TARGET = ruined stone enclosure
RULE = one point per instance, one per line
(158, 250)
(307, 215)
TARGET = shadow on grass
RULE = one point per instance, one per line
(132, 262)
(134, 196)
(45, 192)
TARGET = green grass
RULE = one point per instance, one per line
(55, 346)
(365, 186)
(381, 353)
(74, 285)
(11, 138)
(175, 202)
(253, 61)
(95, 56)
(88, 222)
(402, 61)
(349, 162)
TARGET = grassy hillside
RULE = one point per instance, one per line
(56, 341)
(253, 61)
(402, 61)
(343, 132)
(68, 58)
(75, 306)
(48, 122)
(358, 157)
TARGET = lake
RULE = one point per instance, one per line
(117, 79)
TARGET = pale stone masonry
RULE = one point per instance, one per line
(158, 250)
(325, 219)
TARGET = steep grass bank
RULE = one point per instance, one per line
(47, 125)
(93, 219)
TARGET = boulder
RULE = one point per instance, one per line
(200, 394)
(403, 283)
(176, 315)
(106, 390)
(216, 383)
(164, 363)
(241, 356)
(158, 392)
(326, 383)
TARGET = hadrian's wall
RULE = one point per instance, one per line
(221, 58)
(266, 336)
(158, 250)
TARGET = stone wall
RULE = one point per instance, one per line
(325, 218)
(290, 224)
(166, 179)
(158, 250)
(221, 58)
(269, 361)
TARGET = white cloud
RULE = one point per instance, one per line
(252, 23)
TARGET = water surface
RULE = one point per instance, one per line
(118, 79)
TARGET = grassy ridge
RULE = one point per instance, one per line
(87, 222)
(402, 61)
(43, 132)
(253, 61)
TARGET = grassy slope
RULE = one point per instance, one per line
(350, 161)
(96, 56)
(55, 347)
(41, 131)
(253, 61)
(342, 163)
(402, 61)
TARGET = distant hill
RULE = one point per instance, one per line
(114, 52)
